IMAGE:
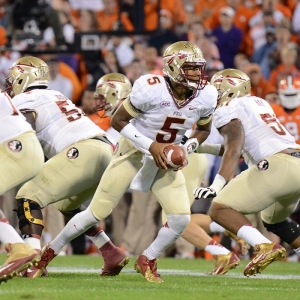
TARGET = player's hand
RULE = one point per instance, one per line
(157, 151)
(186, 162)
(204, 192)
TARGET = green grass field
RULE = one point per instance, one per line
(77, 278)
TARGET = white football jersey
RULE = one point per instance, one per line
(161, 117)
(12, 122)
(59, 123)
(264, 134)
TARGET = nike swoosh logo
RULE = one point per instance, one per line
(258, 258)
(29, 270)
(192, 108)
(6, 267)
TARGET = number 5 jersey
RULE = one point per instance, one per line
(59, 123)
(264, 134)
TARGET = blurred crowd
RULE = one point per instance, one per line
(81, 40)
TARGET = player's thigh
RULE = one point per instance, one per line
(262, 185)
(194, 173)
(68, 173)
(21, 158)
(74, 202)
(114, 183)
(170, 190)
(279, 211)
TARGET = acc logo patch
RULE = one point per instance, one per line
(73, 153)
(263, 165)
(15, 146)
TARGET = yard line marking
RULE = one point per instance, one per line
(174, 272)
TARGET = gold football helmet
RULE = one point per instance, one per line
(110, 90)
(231, 83)
(26, 72)
(184, 55)
(289, 92)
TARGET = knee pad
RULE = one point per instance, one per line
(29, 212)
(177, 223)
(288, 230)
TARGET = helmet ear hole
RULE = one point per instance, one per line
(20, 81)
(230, 95)
(171, 68)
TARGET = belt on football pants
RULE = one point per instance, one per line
(295, 154)
(102, 139)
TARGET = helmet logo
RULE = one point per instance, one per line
(20, 69)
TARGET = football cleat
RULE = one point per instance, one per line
(265, 254)
(224, 263)
(40, 269)
(115, 259)
(148, 268)
(34, 272)
(20, 256)
(243, 246)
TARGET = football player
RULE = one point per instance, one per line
(270, 185)
(21, 158)
(288, 110)
(159, 110)
(78, 152)
(106, 97)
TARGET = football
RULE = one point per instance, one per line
(175, 155)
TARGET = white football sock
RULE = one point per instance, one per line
(215, 227)
(99, 239)
(167, 235)
(252, 236)
(214, 248)
(165, 238)
(8, 234)
(76, 226)
(33, 242)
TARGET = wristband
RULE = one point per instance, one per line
(218, 183)
(213, 149)
(140, 141)
(190, 146)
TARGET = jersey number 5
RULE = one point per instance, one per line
(161, 138)
(72, 114)
(273, 123)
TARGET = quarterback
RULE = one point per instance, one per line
(270, 185)
(158, 111)
(77, 153)
(21, 158)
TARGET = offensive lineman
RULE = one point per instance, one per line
(21, 158)
(270, 185)
(78, 152)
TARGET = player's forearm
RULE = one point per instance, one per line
(139, 140)
(229, 164)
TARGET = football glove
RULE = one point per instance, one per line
(211, 191)
(204, 192)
